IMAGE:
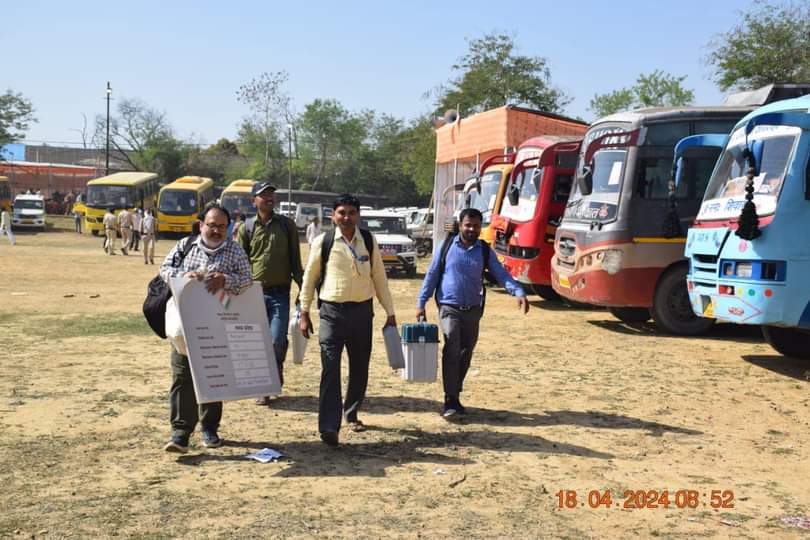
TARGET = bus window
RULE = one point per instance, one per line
(562, 187)
(666, 134)
(653, 178)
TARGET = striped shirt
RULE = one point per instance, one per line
(230, 260)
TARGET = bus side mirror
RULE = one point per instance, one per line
(585, 180)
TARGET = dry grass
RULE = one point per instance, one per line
(560, 399)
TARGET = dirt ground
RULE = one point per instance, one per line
(559, 399)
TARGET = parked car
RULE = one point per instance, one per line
(29, 211)
(397, 250)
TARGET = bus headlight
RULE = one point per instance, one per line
(612, 261)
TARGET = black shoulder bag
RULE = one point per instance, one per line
(158, 293)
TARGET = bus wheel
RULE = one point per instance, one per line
(95, 233)
(631, 314)
(672, 311)
(792, 342)
(545, 292)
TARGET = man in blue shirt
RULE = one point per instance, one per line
(460, 296)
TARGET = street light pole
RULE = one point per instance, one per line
(109, 93)
(289, 178)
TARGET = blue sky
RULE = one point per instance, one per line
(189, 58)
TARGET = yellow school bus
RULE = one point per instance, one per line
(237, 197)
(5, 193)
(180, 202)
(128, 190)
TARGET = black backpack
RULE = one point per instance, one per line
(326, 249)
(158, 293)
(485, 273)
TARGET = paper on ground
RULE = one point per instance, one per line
(266, 455)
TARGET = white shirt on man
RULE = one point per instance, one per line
(313, 230)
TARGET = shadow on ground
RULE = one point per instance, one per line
(737, 332)
(372, 458)
(492, 417)
(783, 365)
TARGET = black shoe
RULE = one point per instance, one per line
(330, 438)
(178, 444)
(460, 408)
(210, 439)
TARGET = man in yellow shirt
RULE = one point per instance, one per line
(346, 268)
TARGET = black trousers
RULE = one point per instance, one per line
(343, 324)
(460, 329)
(183, 401)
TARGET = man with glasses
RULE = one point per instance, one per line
(272, 245)
(221, 264)
(346, 267)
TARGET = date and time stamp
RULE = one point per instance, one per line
(639, 499)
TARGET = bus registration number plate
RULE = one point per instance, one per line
(564, 282)
(708, 311)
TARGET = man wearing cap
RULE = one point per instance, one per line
(272, 245)
(346, 268)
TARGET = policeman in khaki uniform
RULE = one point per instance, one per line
(125, 226)
(110, 228)
(353, 276)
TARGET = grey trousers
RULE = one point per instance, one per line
(343, 324)
(460, 329)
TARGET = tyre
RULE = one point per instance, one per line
(545, 292)
(631, 314)
(791, 342)
(95, 232)
(672, 311)
(410, 271)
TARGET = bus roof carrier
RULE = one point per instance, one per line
(768, 94)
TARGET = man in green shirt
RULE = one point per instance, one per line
(272, 245)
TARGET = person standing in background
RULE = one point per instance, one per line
(5, 225)
(137, 217)
(149, 232)
(313, 229)
(110, 228)
(125, 227)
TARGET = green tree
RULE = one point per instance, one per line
(143, 138)
(656, 89)
(492, 74)
(770, 44)
(419, 155)
(16, 114)
(270, 109)
(330, 138)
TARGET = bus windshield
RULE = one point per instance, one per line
(607, 174)
(242, 202)
(384, 225)
(725, 195)
(177, 202)
(110, 196)
(485, 201)
(529, 182)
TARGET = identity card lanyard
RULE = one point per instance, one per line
(363, 258)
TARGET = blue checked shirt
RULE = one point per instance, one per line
(461, 284)
(230, 260)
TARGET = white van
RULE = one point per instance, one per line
(306, 212)
(29, 211)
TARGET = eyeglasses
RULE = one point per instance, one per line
(215, 226)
